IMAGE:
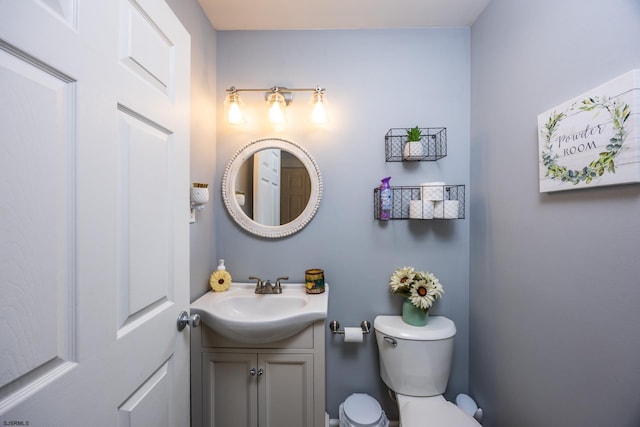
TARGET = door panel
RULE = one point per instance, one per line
(229, 390)
(286, 388)
(147, 405)
(36, 255)
(144, 48)
(145, 244)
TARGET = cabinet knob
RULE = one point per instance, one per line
(253, 372)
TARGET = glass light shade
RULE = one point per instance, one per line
(277, 107)
(318, 108)
(233, 113)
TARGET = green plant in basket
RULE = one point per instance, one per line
(414, 134)
(420, 287)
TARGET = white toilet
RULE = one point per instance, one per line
(415, 362)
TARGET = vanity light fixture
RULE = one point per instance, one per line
(278, 99)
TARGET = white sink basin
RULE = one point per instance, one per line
(242, 315)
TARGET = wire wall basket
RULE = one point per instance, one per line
(432, 145)
(423, 202)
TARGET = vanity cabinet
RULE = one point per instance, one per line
(258, 389)
(261, 385)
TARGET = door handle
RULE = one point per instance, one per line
(184, 319)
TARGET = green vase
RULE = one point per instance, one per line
(413, 315)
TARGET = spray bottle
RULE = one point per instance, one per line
(385, 199)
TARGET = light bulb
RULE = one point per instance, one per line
(235, 115)
(318, 108)
(233, 110)
(277, 109)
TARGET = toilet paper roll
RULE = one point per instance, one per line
(447, 209)
(420, 209)
(415, 209)
(427, 209)
(432, 190)
(353, 335)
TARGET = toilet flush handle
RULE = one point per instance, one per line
(391, 341)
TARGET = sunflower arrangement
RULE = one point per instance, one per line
(420, 287)
(220, 280)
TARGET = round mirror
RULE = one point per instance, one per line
(272, 187)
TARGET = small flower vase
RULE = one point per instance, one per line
(413, 315)
(413, 150)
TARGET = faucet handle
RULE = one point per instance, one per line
(278, 286)
(259, 283)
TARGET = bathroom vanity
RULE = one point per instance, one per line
(273, 384)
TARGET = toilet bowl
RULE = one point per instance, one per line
(362, 410)
(415, 363)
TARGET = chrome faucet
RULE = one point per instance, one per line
(265, 286)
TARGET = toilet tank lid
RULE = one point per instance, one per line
(438, 328)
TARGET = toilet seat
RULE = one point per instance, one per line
(432, 411)
(362, 410)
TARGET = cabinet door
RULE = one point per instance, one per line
(286, 390)
(229, 390)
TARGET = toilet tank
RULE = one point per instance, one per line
(415, 360)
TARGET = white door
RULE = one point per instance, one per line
(94, 108)
(266, 187)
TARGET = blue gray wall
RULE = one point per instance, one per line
(375, 80)
(554, 290)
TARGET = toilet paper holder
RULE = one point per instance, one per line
(334, 325)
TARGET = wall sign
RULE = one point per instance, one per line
(592, 140)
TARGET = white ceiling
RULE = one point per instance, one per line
(340, 14)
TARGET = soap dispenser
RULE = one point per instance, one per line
(220, 279)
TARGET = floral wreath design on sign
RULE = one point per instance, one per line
(605, 160)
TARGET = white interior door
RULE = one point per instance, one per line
(94, 213)
(266, 187)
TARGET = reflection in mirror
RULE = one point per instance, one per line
(272, 187)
